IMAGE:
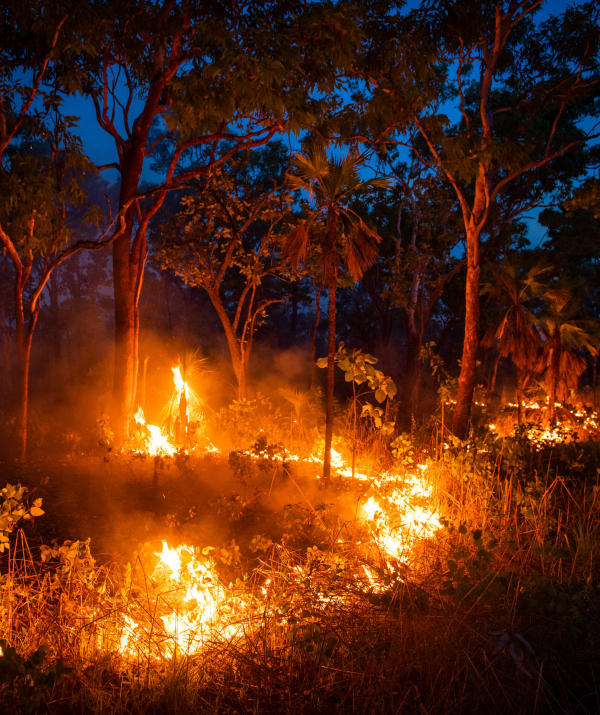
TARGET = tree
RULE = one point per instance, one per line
(417, 261)
(332, 182)
(42, 181)
(514, 333)
(535, 84)
(227, 240)
(564, 337)
(233, 72)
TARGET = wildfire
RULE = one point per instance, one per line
(406, 514)
(156, 440)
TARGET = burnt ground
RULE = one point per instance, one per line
(115, 504)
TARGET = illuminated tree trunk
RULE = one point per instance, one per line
(493, 374)
(413, 352)
(129, 258)
(332, 286)
(238, 360)
(553, 379)
(466, 380)
(183, 419)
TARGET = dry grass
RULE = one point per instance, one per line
(344, 628)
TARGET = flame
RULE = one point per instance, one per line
(170, 558)
(156, 442)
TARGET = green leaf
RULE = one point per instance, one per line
(322, 362)
(380, 395)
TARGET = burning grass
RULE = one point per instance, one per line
(405, 609)
(457, 577)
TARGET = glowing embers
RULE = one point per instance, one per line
(401, 512)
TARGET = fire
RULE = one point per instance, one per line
(179, 382)
(170, 558)
(156, 442)
(406, 514)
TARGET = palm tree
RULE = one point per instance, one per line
(514, 333)
(564, 336)
(331, 182)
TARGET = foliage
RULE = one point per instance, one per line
(246, 419)
(27, 678)
(13, 509)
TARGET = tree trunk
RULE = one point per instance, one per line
(24, 339)
(313, 352)
(553, 374)
(237, 361)
(332, 285)
(466, 380)
(493, 374)
(125, 337)
(520, 410)
(143, 390)
(413, 353)
(294, 317)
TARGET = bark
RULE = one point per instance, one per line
(24, 335)
(294, 316)
(413, 352)
(332, 286)
(143, 390)
(54, 291)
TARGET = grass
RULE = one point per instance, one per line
(497, 612)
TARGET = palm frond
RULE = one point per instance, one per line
(360, 249)
(312, 166)
(296, 245)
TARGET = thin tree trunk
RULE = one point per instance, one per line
(493, 374)
(553, 373)
(520, 410)
(413, 351)
(125, 338)
(313, 353)
(143, 390)
(332, 285)
(235, 352)
(24, 339)
(294, 317)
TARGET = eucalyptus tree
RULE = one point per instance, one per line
(518, 91)
(418, 259)
(346, 240)
(41, 183)
(42, 165)
(203, 75)
(226, 238)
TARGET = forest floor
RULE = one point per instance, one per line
(475, 619)
(118, 507)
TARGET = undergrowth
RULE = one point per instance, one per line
(497, 612)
